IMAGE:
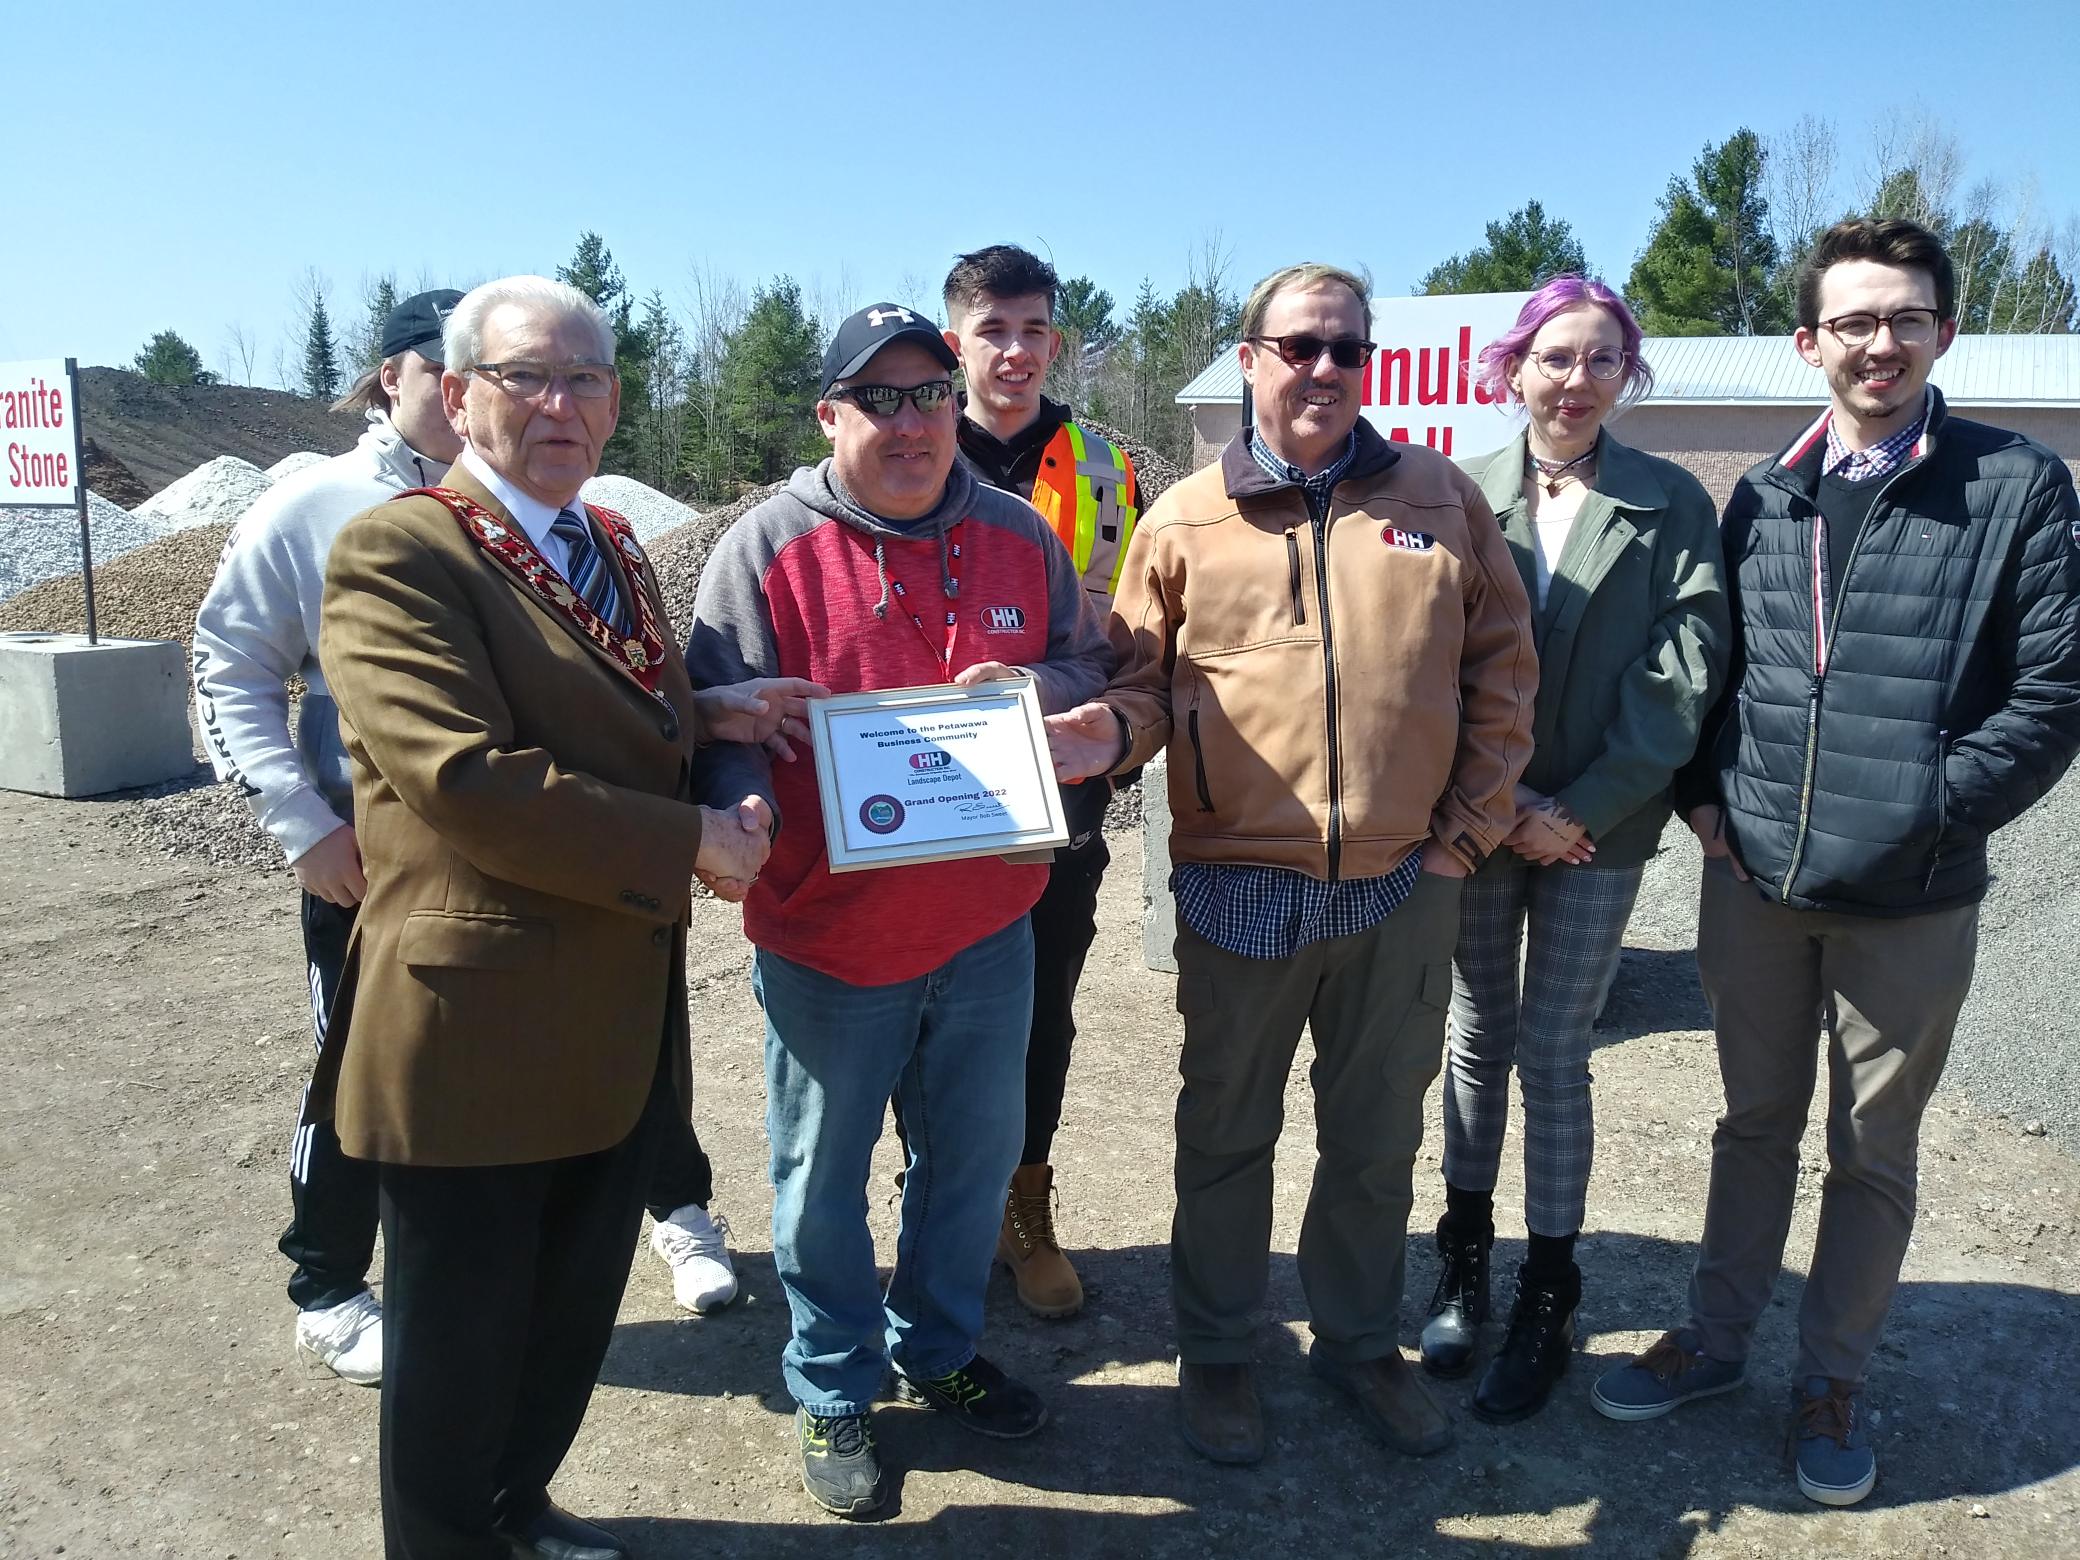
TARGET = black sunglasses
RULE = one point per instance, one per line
(887, 400)
(1304, 351)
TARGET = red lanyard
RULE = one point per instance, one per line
(952, 589)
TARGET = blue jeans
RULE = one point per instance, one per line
(951, 1046)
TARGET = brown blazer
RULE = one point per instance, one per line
(526, 820)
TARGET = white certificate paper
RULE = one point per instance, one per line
(934, 774)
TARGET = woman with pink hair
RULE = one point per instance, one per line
(1619, 551)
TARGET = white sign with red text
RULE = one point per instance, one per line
(1420, 387)
(39, 429)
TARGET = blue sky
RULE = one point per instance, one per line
(181, 166)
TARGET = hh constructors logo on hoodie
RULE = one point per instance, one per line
(1003, 620)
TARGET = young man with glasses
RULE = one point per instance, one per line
(885, 566)
(1327, 632)
(1000, 320)
(1906, 679)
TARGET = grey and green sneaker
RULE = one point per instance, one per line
(840, 1468)
(980, 1396)
(1671, 1373)
(1831, 1443)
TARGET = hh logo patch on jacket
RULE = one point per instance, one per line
(1003, 620)
(1411, 541)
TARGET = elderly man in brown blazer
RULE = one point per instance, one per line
(512, 1026)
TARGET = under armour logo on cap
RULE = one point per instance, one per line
(874, 327)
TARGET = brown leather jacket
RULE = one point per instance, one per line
(1331, 694)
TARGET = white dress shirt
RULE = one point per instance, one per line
(534, 516)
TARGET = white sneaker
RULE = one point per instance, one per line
(346, 1339)
(692, 1245)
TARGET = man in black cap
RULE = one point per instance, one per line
(885, 566)
(257, 628)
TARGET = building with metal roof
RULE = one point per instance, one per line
(1721, 403)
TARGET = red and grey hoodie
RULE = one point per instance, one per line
(811, 585)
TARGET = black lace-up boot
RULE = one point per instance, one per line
(1536, 1349)
(1460, 1303)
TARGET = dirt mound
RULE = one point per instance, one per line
(679, 555)
(109, 477)
(161, 432)
(150, 592)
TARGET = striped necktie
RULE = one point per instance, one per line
(588, 571)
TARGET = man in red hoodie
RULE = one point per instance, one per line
(889, 566)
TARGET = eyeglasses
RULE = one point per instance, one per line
(528, 380)
(1306, 351)
(1910, 327)
(887, 400)
(1602, 363)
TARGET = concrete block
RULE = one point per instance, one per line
(79, 719)
(1158, 909)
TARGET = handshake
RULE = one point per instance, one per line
(734, 845)
(769, 712)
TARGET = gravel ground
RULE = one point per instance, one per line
(150, 592)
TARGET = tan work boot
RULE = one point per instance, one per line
(1047, 1284)
(1221, 1418)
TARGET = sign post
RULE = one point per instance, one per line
(45, 465)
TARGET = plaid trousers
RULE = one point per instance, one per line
(1543, 1026)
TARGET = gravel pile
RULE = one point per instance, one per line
(197, 820)
(42, 544)
(300, 460)
(649, 512)
(1152, 471)
(216, 492)
(151, 592)
(680, 554)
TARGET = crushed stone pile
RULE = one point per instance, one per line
(41, 544)
(1154, 472)
(680, 554)
(649, 512)
(152, 591)
(298, 460)
(216, 492)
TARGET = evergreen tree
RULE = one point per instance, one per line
(1084, 311)
(382, 298)
(1706, 270)
(751, 410)
(1523, 251)
(320, 357)
(593, 272)
(169, 360)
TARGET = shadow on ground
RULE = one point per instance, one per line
(1948, 1370)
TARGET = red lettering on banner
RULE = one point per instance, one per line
(1439, 391)
(38, 406)
(1388, 363)
(1465, 359)
(31, 469)
(1398, 435)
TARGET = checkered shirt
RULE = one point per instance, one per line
(1315, 489)
(1882, 457)
(1273, 912)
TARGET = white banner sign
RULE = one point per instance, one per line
(1420, 388)
(39, 426)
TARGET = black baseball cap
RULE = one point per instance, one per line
(874, 327)
(415, 325)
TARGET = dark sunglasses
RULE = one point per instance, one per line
(887, 400)
(1304, 351)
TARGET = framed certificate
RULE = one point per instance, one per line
(934, 774)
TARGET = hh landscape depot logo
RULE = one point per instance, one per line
(1003, 620)
(1407, 541)
(930, 758)
(881, 814)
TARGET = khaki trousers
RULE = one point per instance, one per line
(1886, 994)
(1375, 1003)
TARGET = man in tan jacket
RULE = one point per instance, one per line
(510, 1036)
(1326, 631)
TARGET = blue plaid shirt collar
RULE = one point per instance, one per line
(1885, 456)
(1316, 488)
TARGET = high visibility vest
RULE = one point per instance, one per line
(1085, 489)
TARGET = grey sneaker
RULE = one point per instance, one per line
(1672, 1372)
(1831, 1442)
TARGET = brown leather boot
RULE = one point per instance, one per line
(1047, 1284)
(1392, 1398)
(1222, 1418)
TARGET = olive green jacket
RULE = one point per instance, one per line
(1632, 640)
